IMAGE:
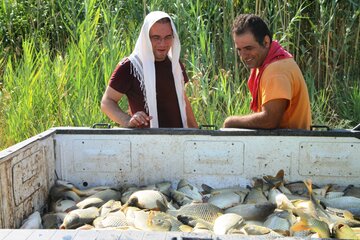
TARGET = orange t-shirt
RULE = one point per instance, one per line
(283, 80)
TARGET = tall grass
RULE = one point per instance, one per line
(56, 57)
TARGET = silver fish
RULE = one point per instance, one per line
(111, 220)
(53, 220)
(226, 200)
(180, 198)
(110, 206)
(32, 222)
(250, 229)
(207, 189)
(62, 192)
(189, 190)
(205, 211)
(228, 223)
(79, 217)
(98, 199)
(163, 221)
(353, 191)
(148, 199)
(253, 211)
(352, 204)
(280, 199)
(256, 194)
(63, 205)
(280, 221)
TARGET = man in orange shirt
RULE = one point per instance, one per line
(280, 97)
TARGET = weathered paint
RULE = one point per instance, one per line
(26, 177)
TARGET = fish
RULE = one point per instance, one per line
(99, 198)
(111, 220)
(297, 188)
(308, 222)
(163, 222)
(148, 199)
(130, 214)
(210, 190)
(85, 227)
(346, 202)
(226, 200)
(343, 216)
(321, 192)
(164, 188)
(202, 227)
(228, 223)
(33, 221)
(280, 221)
(141, 221)
(62, 192)
(180, 198)
(332, 194)
(110, 206)
(256, 194)
(253, 211)
(189, 190)
(206, 211)
(81, 193)
(63, 205)
(79, 217)
(276, 180)
(280, 199)
(352, 191)
(196, 223)
(343, 231)
(53, 220)
(250, 229)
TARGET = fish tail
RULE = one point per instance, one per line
(308, 184)
(280, 175)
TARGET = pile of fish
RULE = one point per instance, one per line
(270, 206)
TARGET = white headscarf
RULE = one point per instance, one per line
(143, 67)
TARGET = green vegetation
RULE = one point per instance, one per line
(56, 57)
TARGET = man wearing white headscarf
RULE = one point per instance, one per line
(153, 79)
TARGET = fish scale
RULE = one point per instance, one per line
(205, 211)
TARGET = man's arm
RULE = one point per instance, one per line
(110, 106)
(190, 114)
(269, 117)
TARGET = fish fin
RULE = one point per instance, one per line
(257, 183)
(123, 207)
(206, 188)
(185, 219)
(78, 192)
(280, 174)
(308, 184)
(299, 226)
(185, 228)
(150, 218)
(277, 180)
(161, 206)
(348, 215)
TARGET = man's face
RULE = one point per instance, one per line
(161, 37)
(250, 51)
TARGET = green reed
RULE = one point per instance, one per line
(56, 57)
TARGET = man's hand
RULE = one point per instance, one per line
(139, 120)
(269, 117)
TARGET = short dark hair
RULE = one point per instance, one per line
(252, 23)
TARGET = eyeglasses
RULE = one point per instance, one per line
(158, 39)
